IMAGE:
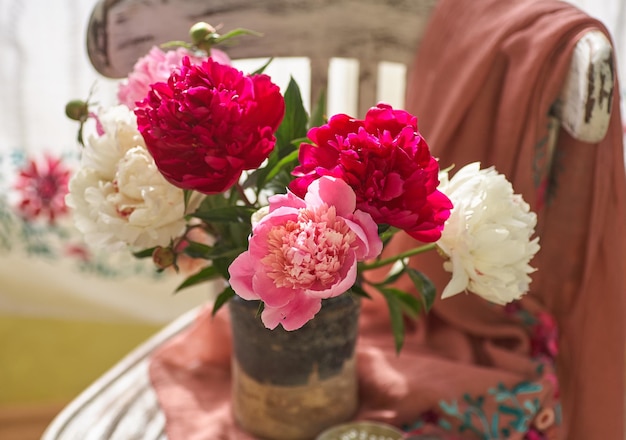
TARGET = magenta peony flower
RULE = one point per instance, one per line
(156, 67)
(209, 123)
(388, 165)
(303, 251)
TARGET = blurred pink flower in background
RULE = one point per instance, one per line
(42, 185)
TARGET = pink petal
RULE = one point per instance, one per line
(333, 192)
(286, 200)
(277, 216)
(241, 272)
(220, 56)
(367, 231)
(294, 315)
(269, 293)
(347, 277)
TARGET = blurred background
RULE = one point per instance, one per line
(68, 312)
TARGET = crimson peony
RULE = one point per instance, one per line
(387, 163)
(208, 123)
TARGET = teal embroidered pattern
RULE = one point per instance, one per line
(513, 406)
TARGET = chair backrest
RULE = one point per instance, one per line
(369, 32)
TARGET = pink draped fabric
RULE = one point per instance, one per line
(482, 85)
(482, 88)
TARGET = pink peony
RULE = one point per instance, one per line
(156, 67)
(209, 123)
(388, 165)
(303, 251)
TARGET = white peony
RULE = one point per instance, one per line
(488, 236)
(117, 133)
(118, 197)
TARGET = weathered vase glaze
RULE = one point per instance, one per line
(290, 385)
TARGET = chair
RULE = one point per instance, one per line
(121, 404)
(323, 30)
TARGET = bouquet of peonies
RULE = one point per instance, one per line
(201, 162)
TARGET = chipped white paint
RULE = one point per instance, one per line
(584, 107)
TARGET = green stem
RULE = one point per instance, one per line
(389, 233)
(390, 260)
(205, 46)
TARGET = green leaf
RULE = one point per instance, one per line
(280, 183)
(146, 253)
(282, 164)
(424, 286)
(259, 310)
(358, 290)
(263, 67)
(235, 33)
(201, 250)
(221, 265)
(296, 142)
(197, 250)
(383, 228)
(257, 179)
(225, 214)
(275, 176)
(233, 197)
(175, 44)
(411, 306)
(397, 318)
(205, 274)
(239, 234)
(187, 193)
(215, 201)
(222, 299)
(397, 270)
(294, 124)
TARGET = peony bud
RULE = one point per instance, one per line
(77, 110)
(202, 33)
(163, 257)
